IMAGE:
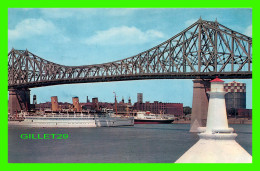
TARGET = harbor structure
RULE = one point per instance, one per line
(217, 141)
(199, 104)
(76, 106)
(236, 95)
(19, 100)
(157, 107)
(95, 104)
(54, 104)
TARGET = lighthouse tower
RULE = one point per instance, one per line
(217, 141)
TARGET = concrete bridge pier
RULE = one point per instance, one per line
(19, 99)
(199, 104)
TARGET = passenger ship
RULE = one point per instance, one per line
(149, 118)
(75, 120)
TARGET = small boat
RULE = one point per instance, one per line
(149, 118)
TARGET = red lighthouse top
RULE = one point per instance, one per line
(217, 80)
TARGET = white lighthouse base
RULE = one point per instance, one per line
(216, 149)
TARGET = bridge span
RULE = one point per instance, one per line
(204, 50)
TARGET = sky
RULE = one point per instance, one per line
(85, 36)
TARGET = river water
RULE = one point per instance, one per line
(143, 143)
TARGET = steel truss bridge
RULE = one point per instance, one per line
(203, 50)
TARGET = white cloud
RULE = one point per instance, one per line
(66, 12)
(122, 11)
(190, 22)
(35, 27)
(248, 31)
(123, 35)
(85, 12)
(26, 9)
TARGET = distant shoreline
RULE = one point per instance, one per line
(230, 121)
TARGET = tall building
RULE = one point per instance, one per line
(95, 104)
(34, 99)
(236, 95)
(156, 107)
(129, 101)
(76, 105)
(54, 104)
(88, 100)
(139, 97)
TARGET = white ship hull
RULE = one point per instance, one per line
(73, 122)
(149, 118)
(114, 121)
(54, 125)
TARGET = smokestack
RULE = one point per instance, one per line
(76, 105)
(34, 99)
(95, 103)
(54, 103)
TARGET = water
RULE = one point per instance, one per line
(158, 143)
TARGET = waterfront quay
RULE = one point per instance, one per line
(237, 113)
(230, 121)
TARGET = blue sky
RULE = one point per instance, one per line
(92, 36)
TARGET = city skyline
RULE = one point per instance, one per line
(92, 36)
(118, 100)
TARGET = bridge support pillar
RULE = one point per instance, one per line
(199, 104)
(19, 99)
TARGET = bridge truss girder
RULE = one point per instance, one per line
(203, 50)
